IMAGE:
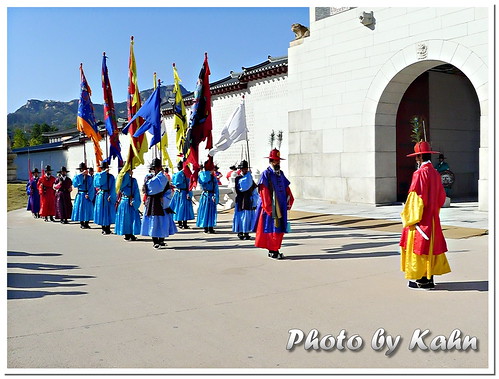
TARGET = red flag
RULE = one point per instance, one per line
(200, 123)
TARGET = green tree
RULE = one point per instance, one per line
(37, 131)
(19, 139)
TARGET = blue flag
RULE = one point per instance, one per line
(150, 112)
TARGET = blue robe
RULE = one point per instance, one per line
(244, 211)
(33, 195)
(127, 215)
(104, 209)
(277, 185)
(207, 210)
(156, 222)
(83, 208)
(181, 205)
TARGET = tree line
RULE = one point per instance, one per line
(31, 136)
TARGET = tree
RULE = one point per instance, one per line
(19, 139)
(36, 134)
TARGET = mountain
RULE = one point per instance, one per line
(63, 114)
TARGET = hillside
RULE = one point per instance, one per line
(63, 114)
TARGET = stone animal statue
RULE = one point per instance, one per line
(300, 31)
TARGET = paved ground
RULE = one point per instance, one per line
(77, 299)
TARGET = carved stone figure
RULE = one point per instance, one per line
(300, 31)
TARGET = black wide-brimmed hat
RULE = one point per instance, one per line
(48, 168)
(35, 171)
(156, 163)
(63, 168)
(82, 166)
(104, 165)
(243, 164)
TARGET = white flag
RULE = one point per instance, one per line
(234, 130)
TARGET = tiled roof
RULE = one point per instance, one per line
(239, 80)
(45, 146)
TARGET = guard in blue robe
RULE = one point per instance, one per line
(128, 221)
(33, 194)
(83, 207)
(246, 200)
(104, 209)
(182, 198)
(158, 221)
(207, 210)
(272, 209)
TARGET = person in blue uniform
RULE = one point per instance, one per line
(158, 221)
(246, 200)
(128, 221)
(33, 194)
(182, 198)
(207, 210)
(83, 207)
(104, 208)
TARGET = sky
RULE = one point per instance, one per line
(46, 45)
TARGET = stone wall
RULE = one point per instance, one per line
(346, 82)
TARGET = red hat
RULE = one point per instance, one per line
(422, 147)
(208, 165)
(275, 155)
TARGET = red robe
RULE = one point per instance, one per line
(47, 195)
(421, 256)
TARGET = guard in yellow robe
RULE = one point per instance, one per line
(422, 242)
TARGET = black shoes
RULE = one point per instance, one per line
(275, 254)
(84, 225)
(422, 284)
(158, 242)
(183, 224)
(106, 229)
(243, 236)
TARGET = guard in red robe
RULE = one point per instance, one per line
(63, 186)
(422, 243)
(272, 209)
(47, 194)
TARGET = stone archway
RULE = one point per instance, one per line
(386, 91)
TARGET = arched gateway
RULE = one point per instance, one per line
(447, 84)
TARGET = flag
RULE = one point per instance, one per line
(234, 130)
(138, 145)
(163, 144)
(150, 112)
(85, 121)
(179, 113)
(110, 116)
(200, 124)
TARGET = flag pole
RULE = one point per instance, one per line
(107, 134)
(247, 143)
(160, 136)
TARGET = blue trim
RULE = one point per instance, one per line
(45, 146)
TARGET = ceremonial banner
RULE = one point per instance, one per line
(200, 124)
(179, 113)
(85, 121)
(234, 130)
(110, 116)
(138, 145)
